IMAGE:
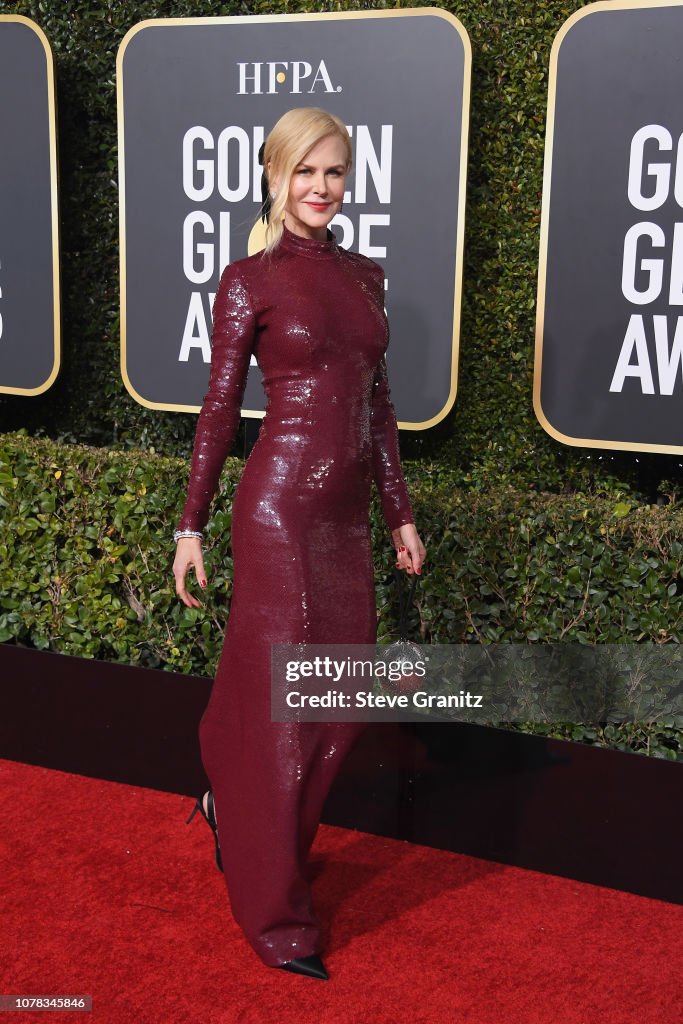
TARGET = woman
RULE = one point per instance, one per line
(313, 315)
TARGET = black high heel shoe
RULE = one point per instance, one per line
(312, 966)
(210, 819)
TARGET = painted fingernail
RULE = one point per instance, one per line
(202, 583)
(402, 547)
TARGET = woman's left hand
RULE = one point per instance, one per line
(410, 551)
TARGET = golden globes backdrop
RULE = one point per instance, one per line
(196, 98)
(609, 335)
(29, 244)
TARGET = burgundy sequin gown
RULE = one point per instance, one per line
(313, 315)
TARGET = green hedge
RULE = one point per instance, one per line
(86, 553)
(492, 435)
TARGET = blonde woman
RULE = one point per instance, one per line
(313, 315)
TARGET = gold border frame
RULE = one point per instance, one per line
(330, 16)
(578, 442)
(54, 218)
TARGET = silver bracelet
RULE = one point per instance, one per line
(186, 533)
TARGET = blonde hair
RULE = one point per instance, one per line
(287, 143)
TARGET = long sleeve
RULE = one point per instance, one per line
(386, 459)
(232, 340)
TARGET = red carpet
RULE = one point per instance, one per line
(106, 892)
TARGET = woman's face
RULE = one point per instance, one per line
(316, 188)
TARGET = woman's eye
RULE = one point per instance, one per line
(305, 170)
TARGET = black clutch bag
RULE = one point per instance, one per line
(402, 655)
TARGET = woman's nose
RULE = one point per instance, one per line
(320, 185)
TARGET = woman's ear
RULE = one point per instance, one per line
(272, 185)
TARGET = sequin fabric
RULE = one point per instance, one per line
(313, 315)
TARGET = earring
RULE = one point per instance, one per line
(273, 194)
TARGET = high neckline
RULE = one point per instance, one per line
(316, 248)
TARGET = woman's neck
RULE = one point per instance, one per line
(298, 227)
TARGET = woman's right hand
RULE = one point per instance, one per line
(188, 553)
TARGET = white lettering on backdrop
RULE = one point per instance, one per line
(652, 266)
